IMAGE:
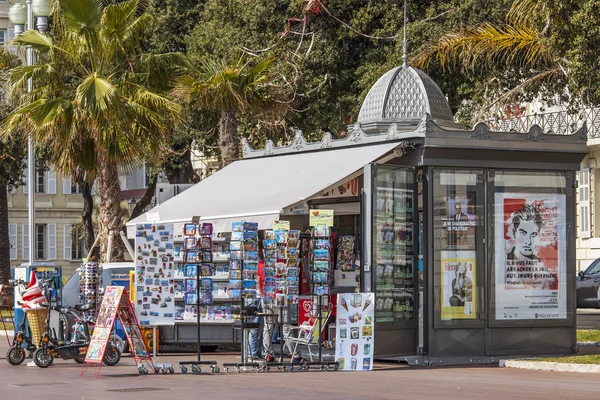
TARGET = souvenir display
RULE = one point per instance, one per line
(90, 283)
(345, 253)
(155, 274)
(320, 274)
(354, 331)
(244, 260)
(195, 275)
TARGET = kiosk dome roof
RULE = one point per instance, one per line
(404, 93)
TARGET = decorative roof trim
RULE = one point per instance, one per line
(356, 137)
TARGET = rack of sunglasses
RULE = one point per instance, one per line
(198, 285)
(243, 285)
(90, 285)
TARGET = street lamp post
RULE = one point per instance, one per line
(18, 15)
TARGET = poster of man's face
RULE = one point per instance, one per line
(526, 224)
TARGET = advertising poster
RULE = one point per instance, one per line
(154, 274)
(531, 251)
(354, 331)
(104, 323)
(458, 285)
(459, 223)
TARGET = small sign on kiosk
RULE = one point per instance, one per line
(320, 217)
(116, 304)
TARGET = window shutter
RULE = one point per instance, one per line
(66, 185)
(67, 241)
(585, 229)
(51, 241)
(25, 181)
(12, 238)
(25, 233)
(51, 181)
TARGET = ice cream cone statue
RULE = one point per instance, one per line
(36, 308)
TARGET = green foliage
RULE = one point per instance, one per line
(13, 150)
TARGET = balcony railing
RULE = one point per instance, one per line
(559, 123)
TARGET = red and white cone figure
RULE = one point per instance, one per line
(35, 306)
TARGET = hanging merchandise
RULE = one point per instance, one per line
(154, 271)
(354, 331)
(321, 261)
(345, 253)
(198, 288)
(90, 285)
(245, 258)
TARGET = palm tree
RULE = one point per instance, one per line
(231, 89)
(93, 106)
(520, 44)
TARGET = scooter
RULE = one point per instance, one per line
(21, 342)
(76, 350)
(51, 347)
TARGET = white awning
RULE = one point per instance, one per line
(258, 189)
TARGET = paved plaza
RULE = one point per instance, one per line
(387, 381)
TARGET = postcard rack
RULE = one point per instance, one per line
(243, 287)
(321, 277)
(198, 288)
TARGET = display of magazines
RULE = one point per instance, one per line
(393, 252)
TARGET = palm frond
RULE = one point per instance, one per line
(81, 16)
(523, 11)
(19, 76)
(488, 44)
(97, 95)
(35, 39)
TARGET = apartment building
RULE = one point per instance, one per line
(58, 206)
(559, 120)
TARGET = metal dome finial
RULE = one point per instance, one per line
(404, 42)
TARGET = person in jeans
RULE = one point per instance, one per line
(256, 334)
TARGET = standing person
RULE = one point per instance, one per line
(256, 334)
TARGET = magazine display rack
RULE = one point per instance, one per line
(243, 287)
(198, 285)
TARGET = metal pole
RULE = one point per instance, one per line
(30, 152)
(198, 311)
(320, 301)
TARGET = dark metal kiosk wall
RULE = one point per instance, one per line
(498, 245)
(501, 244)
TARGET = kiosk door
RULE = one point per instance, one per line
(389, 249)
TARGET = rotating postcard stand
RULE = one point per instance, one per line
(116, 304)
(282, 282)
(243, 286)
(320, 283)
(198, 288)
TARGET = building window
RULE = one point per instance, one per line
(40, 182)
(77, 244)
(585, 228)
(2, 37)
(40, 241)
(74, 188)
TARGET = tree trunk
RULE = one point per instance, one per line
(109, 207)
(229, 142)
(4, 238)
(146, 199)
(179, 169)
(88, 209)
